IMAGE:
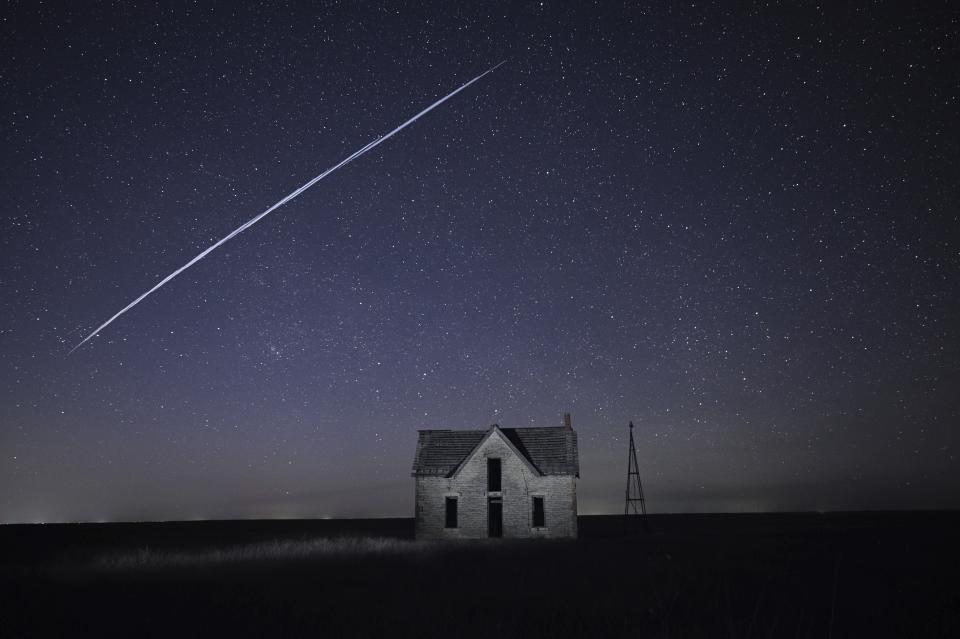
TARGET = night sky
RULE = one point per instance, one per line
(737, 228)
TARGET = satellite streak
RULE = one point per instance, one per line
(289, 197)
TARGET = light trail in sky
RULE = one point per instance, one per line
(350, 158)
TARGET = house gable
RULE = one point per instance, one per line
(481, 445)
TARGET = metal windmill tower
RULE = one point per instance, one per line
(634, 489)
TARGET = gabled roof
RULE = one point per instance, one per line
(496, 429)
(550, 451)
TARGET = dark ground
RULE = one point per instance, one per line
(783, 575)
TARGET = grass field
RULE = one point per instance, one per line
(802, 575)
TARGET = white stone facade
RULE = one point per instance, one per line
(520, 484)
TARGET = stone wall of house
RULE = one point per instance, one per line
(519, 485)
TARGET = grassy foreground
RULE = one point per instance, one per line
(804, 575)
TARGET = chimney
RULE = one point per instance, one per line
(566, 421)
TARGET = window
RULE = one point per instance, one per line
(493, 475)
(451, 513)
(539, 521)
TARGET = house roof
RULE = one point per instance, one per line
(551, 451)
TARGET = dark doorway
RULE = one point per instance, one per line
(539, 521)
(451, 518)
(493, 475)
(495, 517)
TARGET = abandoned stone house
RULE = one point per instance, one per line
(500, 482)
